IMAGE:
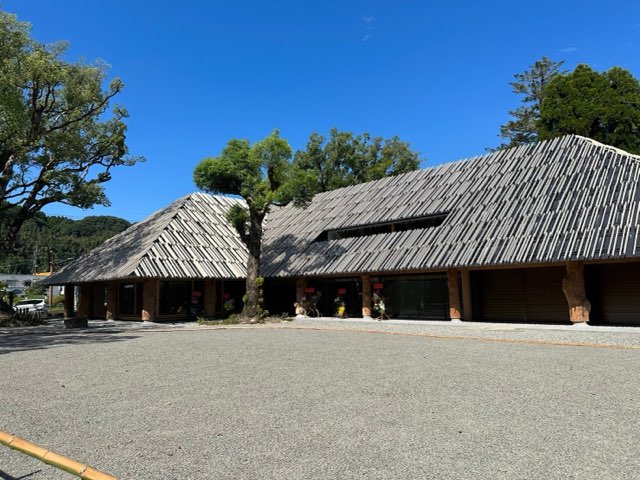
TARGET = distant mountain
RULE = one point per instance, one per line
(58, 239)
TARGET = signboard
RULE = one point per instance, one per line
(378, 286)
(342, 291)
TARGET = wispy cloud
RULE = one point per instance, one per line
(369, 23)
(369, 19)
(569, 49)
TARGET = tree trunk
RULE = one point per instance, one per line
(251, 308)
(251, 304)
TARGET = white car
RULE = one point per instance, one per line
(31, 305)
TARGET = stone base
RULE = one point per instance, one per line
(580, 313)
(581, 325)
(76, 322)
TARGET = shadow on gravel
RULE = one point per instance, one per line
(30, 340)
(6, 476)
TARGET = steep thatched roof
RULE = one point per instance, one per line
(569, 198)
(190, 238)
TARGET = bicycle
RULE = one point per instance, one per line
(307, 309)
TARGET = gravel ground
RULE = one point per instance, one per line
(307, 400)
(603, 336)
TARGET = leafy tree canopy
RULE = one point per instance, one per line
(344, 159)
(259, 173)
(264, 175)
(58, 139)
(603, 106)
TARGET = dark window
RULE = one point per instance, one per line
(387, 227)
(181, 297)
(420, 297)
(130, 299)
(175, 297)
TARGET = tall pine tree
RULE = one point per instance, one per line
(522, 128)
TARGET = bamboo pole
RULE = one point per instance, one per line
(54, 459)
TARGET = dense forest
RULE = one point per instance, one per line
(57, 239)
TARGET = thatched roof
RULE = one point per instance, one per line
(569, 198)
(190, 238)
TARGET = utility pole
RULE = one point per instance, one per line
(52, 268)
(34, 267)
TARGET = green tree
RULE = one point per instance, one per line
(35, 291)
(259, 173)
(58, 139)
(603, 106)
(343, 159)
(523, 127)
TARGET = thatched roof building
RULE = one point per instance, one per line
(566, 199)
(545, 232)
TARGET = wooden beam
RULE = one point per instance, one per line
(149, 297)
(454, 295)
(85, 300)
(301, 286)
(112, 300)
(575, 293)
(467, 302)
(69, 300)
(366, 296)
(210, 297)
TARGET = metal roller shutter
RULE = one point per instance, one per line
(545, 300)
(614, 292)
(532, 295)
(499, 295)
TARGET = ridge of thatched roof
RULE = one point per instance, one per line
(190, 238)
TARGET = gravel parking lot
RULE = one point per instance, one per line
(319, 399)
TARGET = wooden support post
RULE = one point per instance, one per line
(209, 297)
(301, 286)
(454, 295)
(112, 300)
(366, 296)
(574, 290)
(149, 300)
(69, 300)
(98, 300)
(85, 304)
(467, 303)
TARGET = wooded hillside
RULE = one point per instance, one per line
(58, 239)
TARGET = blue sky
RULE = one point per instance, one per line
(434, 73)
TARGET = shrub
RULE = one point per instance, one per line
(232, 320)
(57, 300)
(21, 320)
